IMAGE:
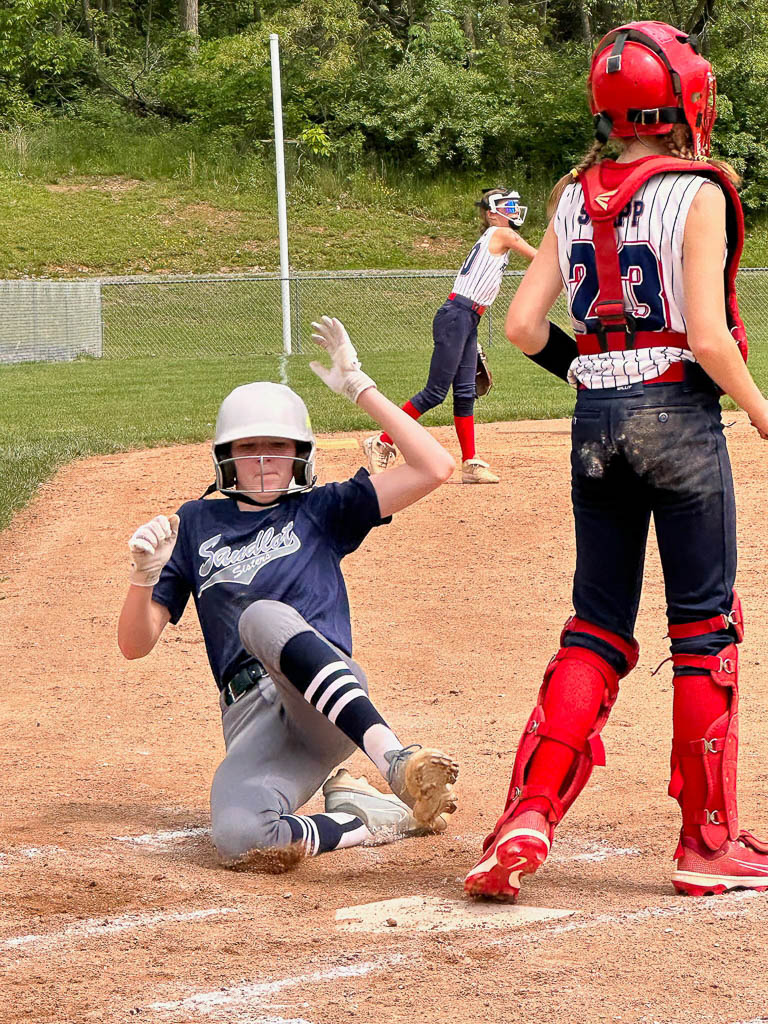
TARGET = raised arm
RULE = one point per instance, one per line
(427, 463)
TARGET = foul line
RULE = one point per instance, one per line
(160, 838)
(107, 926)
(257, 991)
(712, 905)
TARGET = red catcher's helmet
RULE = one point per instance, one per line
(646, 77)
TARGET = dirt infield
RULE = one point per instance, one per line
(114, 908)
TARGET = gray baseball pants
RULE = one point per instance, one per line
(279, 748)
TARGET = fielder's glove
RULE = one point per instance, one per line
(483, 375)
(345, 376)
(151, 546)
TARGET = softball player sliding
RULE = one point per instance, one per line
(263, 568)
(639, 244)
(454, 329)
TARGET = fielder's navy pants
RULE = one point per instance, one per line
(454, 360)
(653, 450)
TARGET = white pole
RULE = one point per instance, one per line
(282, 218)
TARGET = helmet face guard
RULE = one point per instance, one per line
(508, 205)
(303, 477)
(647, 77)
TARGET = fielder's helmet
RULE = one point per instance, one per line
(506, 203)
(263, 409)
(647, 77)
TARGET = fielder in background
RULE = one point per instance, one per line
(454, 329)
(262, 565)
(647, 246)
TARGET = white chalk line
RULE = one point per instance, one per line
(597, 852)
(252, 995)
(166, 837)
(43, 941)
(30, 853)
(716, 906)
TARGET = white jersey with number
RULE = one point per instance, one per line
(480, 277)
(649, 233)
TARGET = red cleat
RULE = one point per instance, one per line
(738, 864)
(518, 849)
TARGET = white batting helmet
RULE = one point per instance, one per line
(263, 409)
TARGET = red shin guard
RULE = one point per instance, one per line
(561, 741)
(705, 746)
(706, 733)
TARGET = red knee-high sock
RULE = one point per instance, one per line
(572, 702)
(412, 411)
(465, 430)
(698, 702)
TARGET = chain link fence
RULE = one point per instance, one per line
(216, 316)
(385, 312)
(49, 321)
(229, 329)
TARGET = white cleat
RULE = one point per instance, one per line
(475, 471)
(378, 453)
(380, 812)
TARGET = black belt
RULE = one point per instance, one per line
(243, 681)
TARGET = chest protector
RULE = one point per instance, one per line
(617, 330)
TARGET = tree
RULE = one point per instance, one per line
(189, 17)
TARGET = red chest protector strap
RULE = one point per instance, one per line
(617, 331)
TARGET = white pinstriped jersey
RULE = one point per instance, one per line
(480, 277)
(649, 233)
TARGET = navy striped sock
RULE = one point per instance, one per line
(327, 682)
(323, 832)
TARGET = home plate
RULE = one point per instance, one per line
(432, 914)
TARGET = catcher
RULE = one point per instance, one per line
(262, 565)
(648, 247)
(455, 360)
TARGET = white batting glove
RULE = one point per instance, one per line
(151, 546)
(345, 376)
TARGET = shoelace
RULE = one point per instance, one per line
(382, 455)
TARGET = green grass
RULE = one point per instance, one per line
(53, 413)
(93, 198)
(82, 199)
(107, 195)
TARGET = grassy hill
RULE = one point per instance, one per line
(80, 201)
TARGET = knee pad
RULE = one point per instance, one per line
(587, 746)
(716, 752)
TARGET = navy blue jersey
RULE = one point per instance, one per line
(290, 552)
